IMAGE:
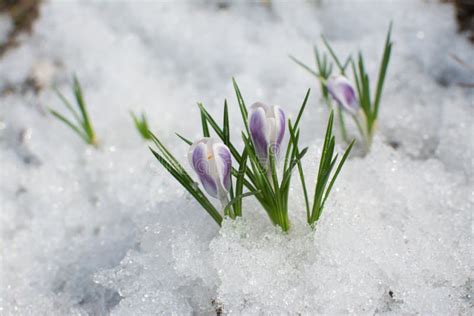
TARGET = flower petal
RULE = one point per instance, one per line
(223, 163)
(281, 124)
(343, 92)
(259, 130)
(200, 162)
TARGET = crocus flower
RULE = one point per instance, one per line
(343, 92)
(211, 160)
(267, 128)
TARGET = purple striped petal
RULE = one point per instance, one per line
(259, 130)
(281, 123)
(223, 162)
(199, 158)
(343, 92)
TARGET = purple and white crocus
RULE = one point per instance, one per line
(267, 128)
(212, 162)
(343, 92)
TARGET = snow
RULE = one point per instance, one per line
(108, 231)
(5, 28)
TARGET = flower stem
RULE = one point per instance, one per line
(224, 202)
(365, 137)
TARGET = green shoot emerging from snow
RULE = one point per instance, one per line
(82, 125)
(357, 100)
(258, 168)
(141, 124)
(324, 182)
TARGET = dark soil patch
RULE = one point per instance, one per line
(23, 14)
(465, 16)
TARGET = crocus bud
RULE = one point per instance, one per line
(343, 92)
(212, 162)
(267, 128)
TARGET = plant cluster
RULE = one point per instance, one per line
(258, 169)
(357, 101)
(265, 165)
(83, 125)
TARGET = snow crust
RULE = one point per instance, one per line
(108, 231)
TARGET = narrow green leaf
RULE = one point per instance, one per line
(82, 107)
(327, 139)
(333, 54)
(259, 171)
(167, 154)
(226, 124)
(383, 71)
(218, 131)
(339, 167)
(70, 124)
(307, 68)
(69, 106)
(190, 187)
(187, 141)
(142, 125)
(239, 185)
(243, 108)
(300, 112)
(205, 128)
(356, 79)
(239, 198)
(300, 170)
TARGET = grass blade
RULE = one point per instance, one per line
(243, 108)
(69, 106)
(333, 54)
(190, 187)
(238, 199)
(304, 66)
(70, 124)
(205, 128)
(187, 141)
(82, 107)
(226, 124)
(383, 71)
(300, 112)
(239, 185)
(338, 169)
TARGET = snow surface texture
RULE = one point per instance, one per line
(5, 27)
(108, 231)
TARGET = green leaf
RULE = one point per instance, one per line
(218, 131)
(205, 128)
(187, 141)
(167, 154)
(68, 106)
(83, 127)
(301, 173)
(339, 167)
(239, 185)
(300, 112)
(243, 108)
(356, 79)
(190, 186)
(327, 139)
(238, 198)
(70, 124)
(383, 71)
(333, 54)
(307, 68)
(82, 107)
(141, 125)
(226, 124)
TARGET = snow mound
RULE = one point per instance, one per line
(403, 248)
